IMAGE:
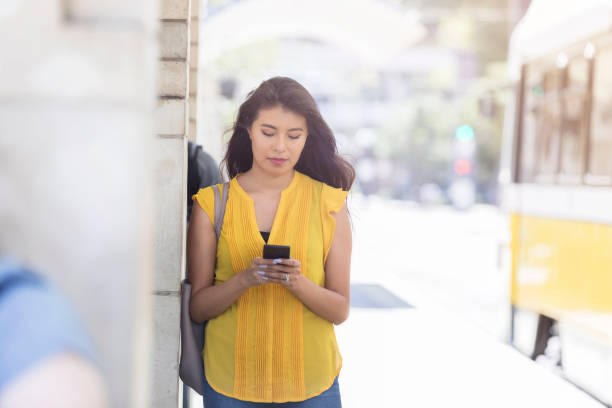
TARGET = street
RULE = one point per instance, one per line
(435, 257)
(438, 339)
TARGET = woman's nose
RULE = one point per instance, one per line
(279, 143)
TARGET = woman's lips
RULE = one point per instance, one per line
(278, 162)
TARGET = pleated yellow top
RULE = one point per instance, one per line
(267, 346)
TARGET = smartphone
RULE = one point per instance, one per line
(276, 251)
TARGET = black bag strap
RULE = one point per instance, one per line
(220, 209)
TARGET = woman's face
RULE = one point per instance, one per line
(277, 137)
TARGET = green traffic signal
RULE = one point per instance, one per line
(464, 133)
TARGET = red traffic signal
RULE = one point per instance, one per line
(463, 167)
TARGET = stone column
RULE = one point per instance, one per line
(77, 92)
(193, 68)
(170, 196)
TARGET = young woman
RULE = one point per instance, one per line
(270, 334)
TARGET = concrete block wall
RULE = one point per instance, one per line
(94, 120)
(172, 120)
(193, 69)
(77, 94)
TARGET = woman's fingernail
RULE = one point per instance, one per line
(263, 266)
(261, 272)
(277, 261)
(265, 278)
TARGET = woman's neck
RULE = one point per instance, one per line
(256, 180)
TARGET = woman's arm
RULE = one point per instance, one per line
(209, 300)
(331, 302)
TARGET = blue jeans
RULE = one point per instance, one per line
(330, 398)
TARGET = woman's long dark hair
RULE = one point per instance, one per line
(319, 159)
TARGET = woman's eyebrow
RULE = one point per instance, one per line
(274, 127)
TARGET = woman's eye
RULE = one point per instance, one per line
(294, 136)
(268, 134)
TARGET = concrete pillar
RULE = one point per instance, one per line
(170, 195)
(77, 92)
(193, 69)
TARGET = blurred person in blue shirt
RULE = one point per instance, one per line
(46, 357)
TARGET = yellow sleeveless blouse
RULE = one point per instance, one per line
(267, 346)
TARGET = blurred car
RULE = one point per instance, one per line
(431, 194)
(462, 193)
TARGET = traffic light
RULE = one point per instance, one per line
(463, 167)
(464, 133)
(463, 150)
(462, 188)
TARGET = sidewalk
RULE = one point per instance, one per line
(416, 358)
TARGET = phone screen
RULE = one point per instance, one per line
(276, 251)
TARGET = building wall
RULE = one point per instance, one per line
(173, 126)
(194, 30)
(77, 92)
(94, 121)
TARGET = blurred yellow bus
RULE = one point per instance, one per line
(556, 178)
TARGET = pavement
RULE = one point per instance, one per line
(430, 315)
(408, 357)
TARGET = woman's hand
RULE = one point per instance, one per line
(286, 272)
(254, 274)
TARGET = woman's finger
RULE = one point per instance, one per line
(275, 275)
(277, 261)
(284, 269)
(286, 262)
(260, 261)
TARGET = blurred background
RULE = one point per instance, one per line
(407, 85)
(479, 131)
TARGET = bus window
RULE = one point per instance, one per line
(548, 127)
(575, 120)
(600, 144)
(540, 133)
(532, 93)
